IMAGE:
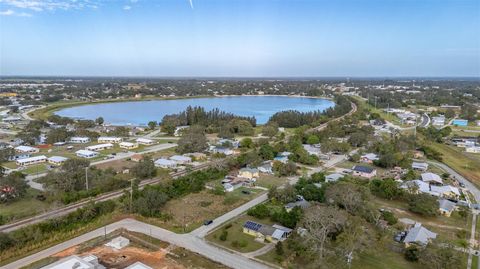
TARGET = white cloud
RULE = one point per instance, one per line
(127, 7)
(51, 5)
(10, 12)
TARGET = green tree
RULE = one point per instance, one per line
(145, 169)
(152, 124)
(247, 143)
(193, 140)
(313, 139)
(423, 204)
(99, 121)
(12, 187)
(150, 203)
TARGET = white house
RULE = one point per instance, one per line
(333, 177)
(128, 145)
(431, 178)
(473, 149)
(165, 163)
(86, 153)
(369, 158)
(179, 159)
(56, 160)
(419, 166)
(145, 141)
(32, 160)
(99, 147)
(313, 150)
(438, 121)
(27, 149)
(79, 140)
(74, 261)
(109, 139)
(419, 235)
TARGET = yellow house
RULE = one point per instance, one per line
(128, 145)
(248, 173)
(273, 233)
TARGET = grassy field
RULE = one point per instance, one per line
(25, 207)
(236, 239)
(189, 212)
(384, 259)
(468, 165)
(268, 181)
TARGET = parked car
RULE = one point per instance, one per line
(207, 222)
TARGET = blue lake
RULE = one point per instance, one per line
(141, 112)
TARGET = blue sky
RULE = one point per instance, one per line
(246, 38)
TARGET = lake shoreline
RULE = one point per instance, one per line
(52, 109)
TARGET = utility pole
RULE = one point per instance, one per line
(86, 178)
(131, 195)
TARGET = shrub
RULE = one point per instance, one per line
(224, 235)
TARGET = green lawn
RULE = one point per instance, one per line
(269, 181)
(383, 259)
(25, 207)
(246, 243)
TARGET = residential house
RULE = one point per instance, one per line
(136, 158)
(446, 191)
(249, 173)
(56, 160)
(419, 166)
(364, 171)
(165, 163)
(99, 147)
(145, 141)
(431, 178)
(369, 158)
(266, 168)
(472, 149)
(282, 159)
(333, 177)
(26, 149)
(86, 153)
(313, 149)
(18, 157)
(438, 121)
(76, 262)
(128, 145)
(79, 140)
(419, 235)
(109, 139)
(303, 204)
(446, 207)
(222, 150)
(179, 129)
(32, 160)
(273, 233)
(179, 159)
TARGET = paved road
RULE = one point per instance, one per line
(323, 126)
(468, 185)
(104, 197)
(425, 121)
(204, 230)
(187, 241)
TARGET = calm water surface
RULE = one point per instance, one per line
(141, 112)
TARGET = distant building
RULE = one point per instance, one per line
(109, 139)
(136, 158)
(128, 145)
(99, 147)
(27, 149)
(248, 173)
(369, 158)
(32, 160)
(266, 168)
(145, 141)
(303, 204)
(80, 140)
(364, 171)
(333, 177)
(438, 121)
(86, 153)
(179, 159)
(56, 160)
(419, 166)
(165, 163)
